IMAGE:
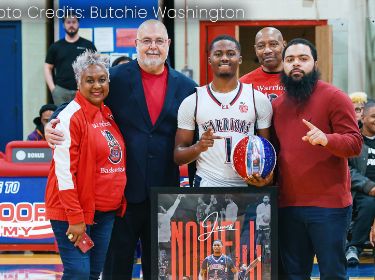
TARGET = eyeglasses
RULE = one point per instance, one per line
(148, 42)
(272, 45)
(358, 109)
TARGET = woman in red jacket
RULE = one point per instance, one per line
(85, 187)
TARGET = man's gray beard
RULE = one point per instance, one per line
(151, 61)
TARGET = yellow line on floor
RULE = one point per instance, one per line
(30, 259)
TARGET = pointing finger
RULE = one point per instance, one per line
(308, 124)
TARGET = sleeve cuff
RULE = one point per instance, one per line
(75, 218)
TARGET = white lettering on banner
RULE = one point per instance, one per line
(35, 155)
(12, 187)
(22, 212)
(370, 161)
(371, 151)
(14, 231)
(23, 220)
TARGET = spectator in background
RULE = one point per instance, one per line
(362, 171)
(45, 113)
(121, 60)
(269, 44)
(359, 100)
(58, 71)
(372, 235)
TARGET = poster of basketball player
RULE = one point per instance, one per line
(221, 233)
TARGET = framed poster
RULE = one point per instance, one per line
(214, 233)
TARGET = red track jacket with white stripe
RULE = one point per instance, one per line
(70, 192)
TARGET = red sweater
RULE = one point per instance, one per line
(315, 175)
(155, 89)
(88, 170)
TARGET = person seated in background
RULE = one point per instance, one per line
(362, 171)
(85, 187)
(45, 113)
(359, 100)
(121, 60)
(372, 235)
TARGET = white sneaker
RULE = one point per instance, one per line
(352, 256)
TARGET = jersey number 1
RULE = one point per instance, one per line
(228, 148)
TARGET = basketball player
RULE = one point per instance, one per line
(224, 113)
(164, 236)
(201, 210)
(218, 266)
(263, 228)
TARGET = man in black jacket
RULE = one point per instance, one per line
(362, 171)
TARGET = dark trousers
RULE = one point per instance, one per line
(135, 225)
(364, 206)
(306, 231)
(77, 265)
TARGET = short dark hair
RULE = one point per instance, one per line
(44, 108)
(217, 240)
(305, 42)
(121, 59)
(368, 105)
(222, 38)
(70, 14)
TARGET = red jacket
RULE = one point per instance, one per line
(70, 192)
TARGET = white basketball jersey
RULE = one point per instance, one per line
(231, 116)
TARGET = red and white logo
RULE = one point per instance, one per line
(243, 108)
(115, 152)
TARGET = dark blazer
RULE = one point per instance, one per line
(149, 147)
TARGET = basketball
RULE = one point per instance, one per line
(253, 154)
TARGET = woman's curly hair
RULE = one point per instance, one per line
(88, 58)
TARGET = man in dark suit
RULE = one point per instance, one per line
(144, 97)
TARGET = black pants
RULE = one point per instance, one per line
(126, 232)
(364, 205)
